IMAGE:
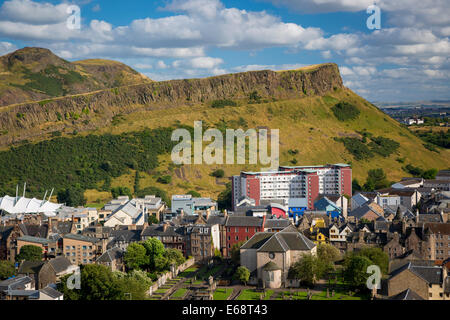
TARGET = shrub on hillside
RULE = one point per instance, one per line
(223, 103)
(345, 111)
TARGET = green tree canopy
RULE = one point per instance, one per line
(377, 256)
(155, 251)
(174, 256)
(236, 252)
(328, 253)
(29, 253)
(136, 256)
(243, 274)
(355, 270)
(7, 269)
(376, 179)
(309, 269)
(72, 197)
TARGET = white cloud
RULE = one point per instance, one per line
(6, 47)
(161, 65)
(30, 12)
(313, 6)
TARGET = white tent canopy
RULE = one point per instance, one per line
(14, 205)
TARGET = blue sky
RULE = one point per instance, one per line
(406, 60)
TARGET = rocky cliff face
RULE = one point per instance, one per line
(30, 120)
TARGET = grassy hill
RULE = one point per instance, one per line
(97, 141)
(31, 74)
(307, 125)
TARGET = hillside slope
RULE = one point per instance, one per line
(299, 103)
(31, 74)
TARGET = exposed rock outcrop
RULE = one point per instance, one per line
(17, 120)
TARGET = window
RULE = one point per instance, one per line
(272, 255)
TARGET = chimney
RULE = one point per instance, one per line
(182, 213)
(165, 226)
(225, 213)
(208, 213)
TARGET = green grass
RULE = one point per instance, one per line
(179, 293)
(161, 291)
(249, 294)
(222, 293)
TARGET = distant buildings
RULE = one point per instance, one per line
(305, 183)
(411, 121)
(191, 205)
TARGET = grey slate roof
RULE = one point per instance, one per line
(158, 231)
(431, 274)
(5, 232)
(277, 223)
(60, 264)
(16, 283)
(244, 221)
(126, 235)
(80, 237)
(279, 242)
(49, 291)
(39, 231)
(30, 267)
(35, 239)
(408, 294)
(257, 240)
(361, 211)
(111, 255)
(30, 294)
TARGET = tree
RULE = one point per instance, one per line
(219, 173)
(152, 219)
(224, 199)
(236, 252)
(133, 285)
(72, 197)
(376, 179)
(29, 253)
(430, 174)
(155, 253)
(121, 191)
(377, 256)
(243, 274)
(99, 283)
(328, 253)
(174, 256)
(136, 256)
(7, 269)
(356, 186)
(355, 270)
(309, 269)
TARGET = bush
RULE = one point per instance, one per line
(219, 173)
(345, 111)
(164, 179)
(357, 148)
(384, 146)
(223, 103)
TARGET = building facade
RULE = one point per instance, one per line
(292, 182)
